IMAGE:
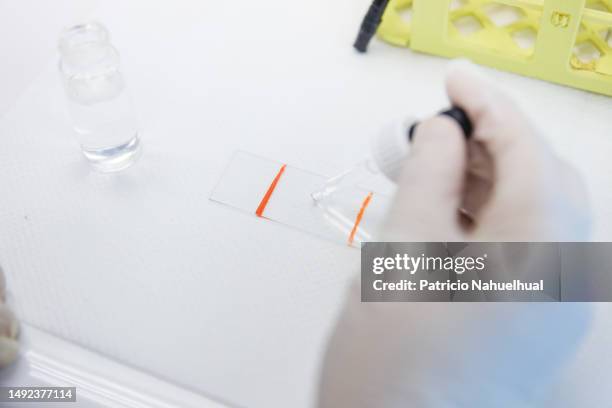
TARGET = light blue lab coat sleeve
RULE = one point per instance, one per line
(438, 355)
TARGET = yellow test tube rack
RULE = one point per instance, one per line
(564, 41)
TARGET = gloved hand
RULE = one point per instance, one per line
(8, 328)
(504, 185)
(507, 180)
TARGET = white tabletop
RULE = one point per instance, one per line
(142, 267)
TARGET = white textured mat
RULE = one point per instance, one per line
(142, 267)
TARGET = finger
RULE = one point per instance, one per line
(478, 181)
(8, 323)
(9, 349)
(431, 183)
(517, 153)
(498, 122)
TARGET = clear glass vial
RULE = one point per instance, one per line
(388, 150)
(100, 108)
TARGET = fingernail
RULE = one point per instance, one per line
(9, 350)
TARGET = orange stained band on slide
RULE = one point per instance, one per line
(266, 198)
(364, 206)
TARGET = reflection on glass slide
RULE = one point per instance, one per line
(282, 193)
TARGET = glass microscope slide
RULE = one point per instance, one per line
(279, 192)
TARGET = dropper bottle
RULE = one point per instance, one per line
(388, 151)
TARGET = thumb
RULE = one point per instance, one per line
(430, 185)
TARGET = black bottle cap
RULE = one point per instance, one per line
(462, 120)
(458, 115)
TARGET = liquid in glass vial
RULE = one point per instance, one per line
(100, 108)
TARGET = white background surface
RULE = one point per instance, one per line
(141, 266)
(48, 361)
